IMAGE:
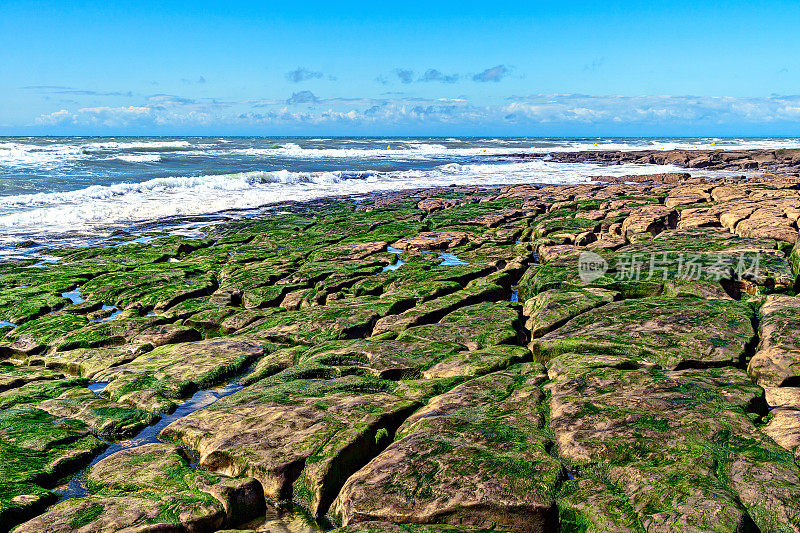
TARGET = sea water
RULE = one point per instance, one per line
(78, 190)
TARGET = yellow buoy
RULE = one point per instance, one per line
(713, 144)
(595, 144)
(388, 147)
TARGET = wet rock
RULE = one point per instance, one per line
(298, 437)
(474, 456)
(776, 362)
(177, 370)
(434, 240)
(672, 333)
(36, 449)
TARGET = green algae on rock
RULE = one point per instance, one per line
(394, 390)
(473, 456)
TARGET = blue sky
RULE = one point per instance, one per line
(407, 68)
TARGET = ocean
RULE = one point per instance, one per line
(83, 190)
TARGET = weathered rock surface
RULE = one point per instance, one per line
(705, 159)
(153, 488)
(776, 362)
(177, 370)
(678, 445)
(375, 367)
(473, 456)
(673, 334)
(299, 437)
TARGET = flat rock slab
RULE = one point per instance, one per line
(298, 437)
(350, 318)
(70, 399)
(551, 309)
(473, 456)
(178, 370)
(86, 362)
(158, 286)
(128, 514)
(478, 363)
(776, 362)
(678, 445)
(154, 488)
(12, 377)
(673, 333)
(476, 291)
(434, 240)
(387, 359)
(475, 327)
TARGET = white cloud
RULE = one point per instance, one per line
(652, 109)
(304, 108)
(99, 116)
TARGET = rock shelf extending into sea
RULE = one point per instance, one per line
(613, 356)
(784, 159)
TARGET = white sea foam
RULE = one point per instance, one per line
(16, 154)
(52, 153)
(124, 193)
(392, 150)
(138, 158)
(97, 207)
(135, 145)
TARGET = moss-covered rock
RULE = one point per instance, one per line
(177, 370)
(673, 333)
(299, 437)
(679, 446)
(36, 449)
(475, 327)
(473, 456)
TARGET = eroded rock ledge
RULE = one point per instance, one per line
(440, 360)
(784, 160)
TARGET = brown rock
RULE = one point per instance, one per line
(776, 362)
(784, 427)
(471, 476)
(436, 204)
(434, 240)
(651, 219)
(166, 334)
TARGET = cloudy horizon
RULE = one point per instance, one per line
(527, 69)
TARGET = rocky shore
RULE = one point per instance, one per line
(619, 356)
(783, 160)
